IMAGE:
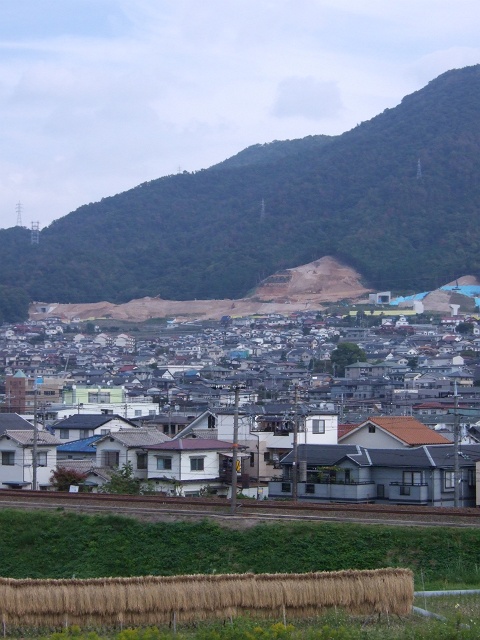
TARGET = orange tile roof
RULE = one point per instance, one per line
(343, 429)
(409, 430)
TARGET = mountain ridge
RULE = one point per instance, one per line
(218, 232)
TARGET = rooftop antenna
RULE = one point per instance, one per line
(35, 233)
(18, 209)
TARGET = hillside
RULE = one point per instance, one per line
(307, 287)
(396, 198)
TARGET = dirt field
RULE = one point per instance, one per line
(303, 288)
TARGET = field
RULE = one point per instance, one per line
(66, 545)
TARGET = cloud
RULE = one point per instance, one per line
(307, 98)
(97, 96)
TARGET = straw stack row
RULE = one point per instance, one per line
(157, 600)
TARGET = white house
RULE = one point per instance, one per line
(80, 426)
(267, 433)
(16, 459)
(190, 466)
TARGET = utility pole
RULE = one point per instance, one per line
(233, 501)
(35, 434)
(456, 460)
(295, 448)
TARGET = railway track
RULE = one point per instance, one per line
(155, 508)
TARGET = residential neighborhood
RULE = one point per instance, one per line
(170, 402)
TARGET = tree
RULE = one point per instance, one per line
(123, 481)
(412, 362)
(464, 328)
(62, 478)
(345, 354)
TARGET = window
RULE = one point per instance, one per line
(84, 433)
(371, 428)
(42, 458)
(412, 477)
(164, 464)
(266, 456)
(110, 458)
(448, 480)
(99, 396)
(63, 434)
(286, 487)
(197, 464)
(309, 488)
(471, 478)
(49, 393)
(318, 426)
(104, 432)
(252, 459)
(138, 413)
(8, 458)
(141, 460)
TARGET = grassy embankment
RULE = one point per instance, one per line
(64, 545)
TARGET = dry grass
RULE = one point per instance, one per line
(155, 600)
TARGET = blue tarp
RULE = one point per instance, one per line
(468, 290)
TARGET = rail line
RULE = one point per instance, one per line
(160, 507)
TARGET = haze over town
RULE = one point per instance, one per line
(98, 96)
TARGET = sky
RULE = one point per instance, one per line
(98, 96)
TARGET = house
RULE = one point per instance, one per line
(352, 473)
(80, 426)
(118, 448)
(267, 432)
(94, 477)
(83, 449)
(16, 458)
(12, 421)
(392, 432)
(191, 466)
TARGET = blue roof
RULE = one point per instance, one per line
(85, 445)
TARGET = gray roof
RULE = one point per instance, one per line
(413, 457)
(89, 421)
(137, 437)
(12, 421)
(26, 437)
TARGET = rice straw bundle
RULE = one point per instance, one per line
(155, 600)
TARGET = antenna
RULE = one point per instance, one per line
(262, 210)
(419, 170)
(35, 233)
(18, 209)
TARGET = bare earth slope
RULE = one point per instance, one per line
(440, 300)
(306, 287)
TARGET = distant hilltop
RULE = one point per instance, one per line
(395, 199)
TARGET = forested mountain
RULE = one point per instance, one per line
(397, 198)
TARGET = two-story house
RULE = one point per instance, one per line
(16, 459)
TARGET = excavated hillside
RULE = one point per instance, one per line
(308, 287)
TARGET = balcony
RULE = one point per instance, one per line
(325, 491)
(408, 493)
